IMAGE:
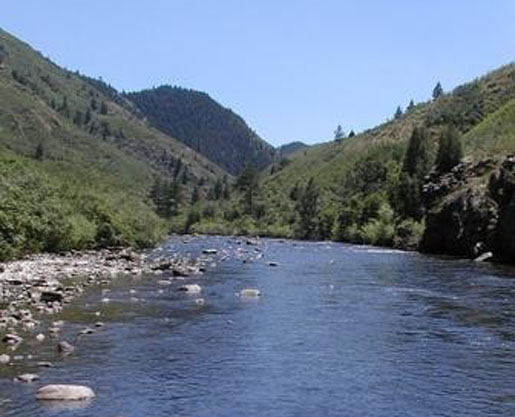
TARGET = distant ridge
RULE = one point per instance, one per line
(204, 125)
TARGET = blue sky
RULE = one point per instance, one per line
(292, 69)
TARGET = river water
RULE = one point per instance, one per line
(339, 330)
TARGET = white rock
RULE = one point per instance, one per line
(210, 251)
(40, 337)
(65, 348)
(64, 393)
(487, 256)
(27, 378)
(4, 359)
(190, 288)
(250, 293)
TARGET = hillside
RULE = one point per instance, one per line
(204, 125)
(362, 189)
(291, 148)
(88, 143)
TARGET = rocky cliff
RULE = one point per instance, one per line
(471, 210)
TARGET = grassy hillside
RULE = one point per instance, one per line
(205, 126)
(360, 180)
(90, 148)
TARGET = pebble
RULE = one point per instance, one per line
(65, 348)
(27, 378)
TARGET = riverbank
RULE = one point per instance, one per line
(34, 289)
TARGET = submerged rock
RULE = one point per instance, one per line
(210, 251)
(65, 348)
(250, 293)
(64, 393)
(190, 288)
(27, 378)
(12, 339)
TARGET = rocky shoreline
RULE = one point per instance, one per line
(39, 286)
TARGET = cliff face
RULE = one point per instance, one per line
(471, 210)
(502, 189)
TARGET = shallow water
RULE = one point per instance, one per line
(339, 330)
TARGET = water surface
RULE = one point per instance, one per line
(339, 331)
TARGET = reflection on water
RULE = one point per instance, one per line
(338, 330)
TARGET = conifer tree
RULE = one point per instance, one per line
(437, 91)
(87, 117)
(195, 195)
(398, 113)
(103, 108)
(39, 154)
(417, 161)
(307, 209)
(450, 150)
(339, 134)
(247, 183)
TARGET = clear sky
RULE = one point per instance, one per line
(294, 69)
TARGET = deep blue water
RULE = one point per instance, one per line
(339, 331)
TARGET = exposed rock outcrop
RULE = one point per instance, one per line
(502, 189)
(471, 210)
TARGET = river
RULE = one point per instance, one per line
(339, 330)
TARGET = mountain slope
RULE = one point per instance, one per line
(359, 190)
(291, 148)
(205, 126)
(469, 106)
(90, 146)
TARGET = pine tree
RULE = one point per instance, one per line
(352, 134)
(398, 113)
(195, 195)
(185, 176)
(417, 164)
(218, 190)
(247, 183)
(64, 107)
(106, 131)
(40, 152)
(411, 106)
(437, 91)
(103, 108)
(417, 161)
(450, 150)
(339, 134)
(307, 209)
(77, 119)
(93, 104)
(87, 117)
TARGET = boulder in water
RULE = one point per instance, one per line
(210, 251)
(190, 288)
(27, 378)
(65, 348)
(64, 393)
(250, 293)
